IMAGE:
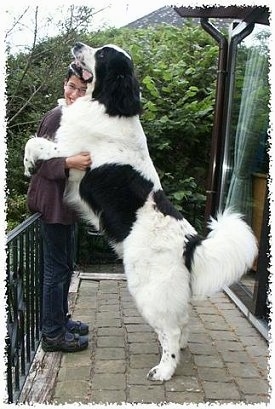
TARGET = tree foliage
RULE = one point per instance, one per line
(176, 68)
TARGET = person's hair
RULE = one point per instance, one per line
(76, 70)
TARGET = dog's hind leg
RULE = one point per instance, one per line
(184, 335)
(170, 343)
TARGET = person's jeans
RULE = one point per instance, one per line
(58, 259)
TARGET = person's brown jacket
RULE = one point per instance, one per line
(46, 189)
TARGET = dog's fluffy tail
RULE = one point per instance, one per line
(223, 256)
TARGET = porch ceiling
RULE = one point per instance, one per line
(248, 14)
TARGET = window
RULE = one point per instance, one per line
(245, 166)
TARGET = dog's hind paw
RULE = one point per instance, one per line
(160, 373)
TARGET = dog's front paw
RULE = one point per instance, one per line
(160, 373)
(29, 156)
(28, 167)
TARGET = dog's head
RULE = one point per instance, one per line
(114, 83)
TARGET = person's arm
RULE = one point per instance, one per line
(58, 168)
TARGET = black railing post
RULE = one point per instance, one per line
(23, 303)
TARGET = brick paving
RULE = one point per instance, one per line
(226, 359)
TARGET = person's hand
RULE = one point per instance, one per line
(80, 161)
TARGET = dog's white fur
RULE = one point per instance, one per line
(152, 252)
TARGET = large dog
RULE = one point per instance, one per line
(165, 261)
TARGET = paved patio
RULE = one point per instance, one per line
(226, 359)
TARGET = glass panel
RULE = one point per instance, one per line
(246, 162)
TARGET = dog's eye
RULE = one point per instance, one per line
(101, 54)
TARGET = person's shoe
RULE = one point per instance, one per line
(77, 327)
(66, 342)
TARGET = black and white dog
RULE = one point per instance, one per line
(164, 260)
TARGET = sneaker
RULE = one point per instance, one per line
(77, 327)
(66, 342)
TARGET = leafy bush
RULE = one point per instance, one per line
(17, 210)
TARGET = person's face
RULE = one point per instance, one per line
(73, 89)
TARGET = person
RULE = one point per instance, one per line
(45, 195)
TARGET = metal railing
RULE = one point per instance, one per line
(23, 302)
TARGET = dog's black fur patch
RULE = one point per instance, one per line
(116, 85)
(115, 192)
(190, 247)
(165, 206)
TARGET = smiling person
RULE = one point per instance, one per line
(45, 195)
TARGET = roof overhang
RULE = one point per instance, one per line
(257, 14)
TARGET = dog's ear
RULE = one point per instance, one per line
(120, 91)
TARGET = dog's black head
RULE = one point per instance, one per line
(114, 82)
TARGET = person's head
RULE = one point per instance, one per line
(75, 85)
